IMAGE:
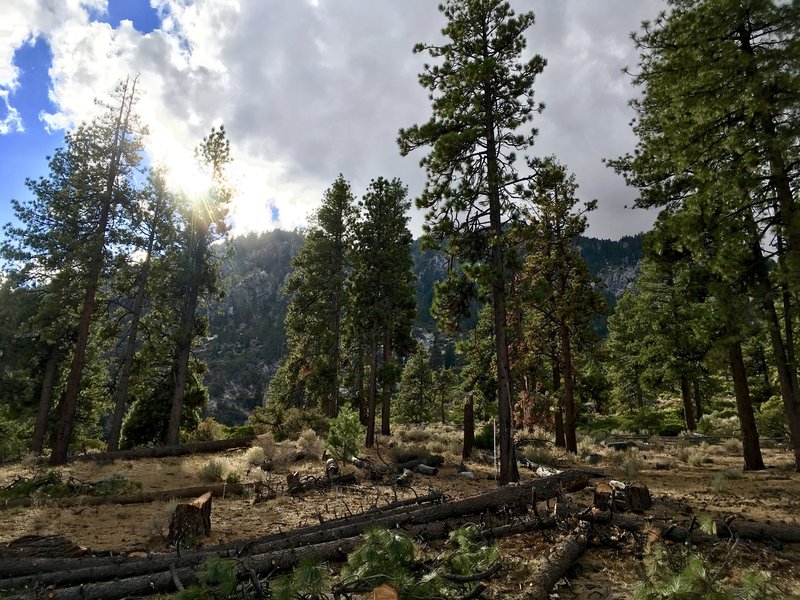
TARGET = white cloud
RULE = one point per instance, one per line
(310, 89)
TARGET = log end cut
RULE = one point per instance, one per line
(192, 519)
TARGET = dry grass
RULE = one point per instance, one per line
(630, 461)
(214, 470)
(310, 444)
(255, 456)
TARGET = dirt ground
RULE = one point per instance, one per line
(711, 483)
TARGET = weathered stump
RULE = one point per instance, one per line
(603, 496)
(191, 519)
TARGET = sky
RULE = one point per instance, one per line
(306, 89)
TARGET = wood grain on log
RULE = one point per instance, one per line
(191, 519)
(547, 574)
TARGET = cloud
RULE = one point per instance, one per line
(309, 89)
(12, 121)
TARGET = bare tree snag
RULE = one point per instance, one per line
(191, 519)
(545, 577)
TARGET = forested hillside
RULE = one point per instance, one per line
(247, 333)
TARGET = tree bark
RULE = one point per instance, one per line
(560, 439)
(45, 399)
(386, 390)
(469, 427)
(130, 347)
(744, 407)
(698, 399)
(546, 576)
(69, 400)
(570, 433)
(373, 387)
(688, 409)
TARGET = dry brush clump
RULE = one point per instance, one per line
(310, 445)
(629, 460)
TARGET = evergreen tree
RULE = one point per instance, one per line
(556, 279)
(415, 390)
(314, 322)
(197, 274)
(69, 228)
(716, 134)
(482, 95)
(383, 304)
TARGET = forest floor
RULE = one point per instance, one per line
(706, 478)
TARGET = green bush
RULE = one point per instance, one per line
(217, 581)
(771, 418)
(345, 434)
(484, 437)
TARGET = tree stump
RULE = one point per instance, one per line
(638, 496)
(191, 519)
(603, 494)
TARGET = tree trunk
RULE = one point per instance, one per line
(688, 409)
(697, 399)
(373, 387)
(561, 440)
(363, 413)
(555, 566)
(744, 407)
(130, 348)
(45, 399)
(187, 330)
(191, 519)
(386, 391)
(69, 400)
(569, 390)
(469, 427)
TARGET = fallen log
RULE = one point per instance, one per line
(83, 570)
(218, 490)
(315, 536)
(317, 484)
(164, 451)
(555, 566)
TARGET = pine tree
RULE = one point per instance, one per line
(415, 390)
(383, 305)
(482, 95)
(311, 373)
(555, 277)
(204, 226)
(716, 134)
(69, 227)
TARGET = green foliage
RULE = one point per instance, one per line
(344, 434)
(309, 580)
(467, 553)
(675, 573)
(208, 430)
(485, 437)
(14, 435)
(216, 581)
(286, 423)
(771, 418)
(385, 556)
(415, 390)
(53, 484)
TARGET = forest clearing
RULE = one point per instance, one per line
(688, 482)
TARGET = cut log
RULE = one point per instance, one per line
(434, 460)
(331, 467)
(426, 470)
(750, 530)
(638, 497)
(163, 451)
(603, 496)
(546, 575)
(34, 546)
(404, 479)
(191, 520)
(318, 484)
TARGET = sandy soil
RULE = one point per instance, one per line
(770, 496)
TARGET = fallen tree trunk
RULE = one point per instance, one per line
(163, 582)
(163, 451)
(325, 535)
(82, 570)
(546, 575)
(322, 483)
(218, 490)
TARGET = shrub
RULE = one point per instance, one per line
(719, 424)
(771, 419)
(232, 478)
(632, 462)
(415, 435)
(217, 581)
(401, 454)
(732, 446)
(255, 456)
(266, 442)
(722, 479)
(344, 434)
(484, 437)
(208, 431)
(541, 456)
(214, 470)
(309, 444)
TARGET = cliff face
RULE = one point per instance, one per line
(247, 338)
